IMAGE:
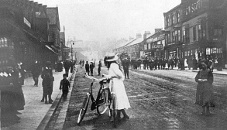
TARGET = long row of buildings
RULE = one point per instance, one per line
(194, 28)
(32, 32)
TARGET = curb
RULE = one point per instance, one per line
(213, 72)
(44, 123)
(63, 112)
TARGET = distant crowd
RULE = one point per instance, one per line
(167, 64)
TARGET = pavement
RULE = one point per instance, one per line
(35, 111)
(215, 71)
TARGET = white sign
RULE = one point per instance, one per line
(27, 22)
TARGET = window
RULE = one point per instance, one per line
(173, 36)
(168, 21)
(217, 32)
(145, 46)
(178, 17)
(183, 34)
(179, 35)
(174, 18)
(149, 46)
(163, 43)
(199, 32)
(186, 53)
(194, 33)
(187, 38)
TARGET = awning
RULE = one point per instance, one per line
(51, 49)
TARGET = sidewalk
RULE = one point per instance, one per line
(223, 72)
(35, 110)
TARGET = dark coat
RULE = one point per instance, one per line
(204, 92)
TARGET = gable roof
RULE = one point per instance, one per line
(135, 41)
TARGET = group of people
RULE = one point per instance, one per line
(46, 72)
(89, 68)
(180, 63)
(157, 63)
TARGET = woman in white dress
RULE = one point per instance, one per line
(117, 86)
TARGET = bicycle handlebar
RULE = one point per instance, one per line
(102, 80)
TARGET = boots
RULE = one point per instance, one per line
(126, 117)
(50, 100)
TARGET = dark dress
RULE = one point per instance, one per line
(204, 93)
(47, 82)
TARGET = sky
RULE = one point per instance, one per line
(97, 20)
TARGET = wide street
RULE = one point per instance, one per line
(160, 99)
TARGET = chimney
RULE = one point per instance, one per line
(138, 35)
(158, 30)
(145, 35)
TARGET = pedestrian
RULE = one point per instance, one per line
(91, 68)
(72, 66)
(204, 92)
(22, 72)
(47, 76)
(67, 65)
(117, 86)
(99, 68)
(64, 86)
(87, 67)
(125, 65)
(36, 70)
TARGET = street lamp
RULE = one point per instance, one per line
(72, 51)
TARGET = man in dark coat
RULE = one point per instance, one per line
(99, 68)
(91, 68)
(36, 70)
(125, 64)
(87, 67)
(67, 65)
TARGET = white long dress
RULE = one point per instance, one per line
(117, 86)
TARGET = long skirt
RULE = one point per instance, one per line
(204, 94)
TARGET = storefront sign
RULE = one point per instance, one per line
(159, 46)
(27, 22)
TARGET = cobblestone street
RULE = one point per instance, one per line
(160, 99)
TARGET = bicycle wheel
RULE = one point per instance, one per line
(114, 110)
(83, 109)
(104, 102)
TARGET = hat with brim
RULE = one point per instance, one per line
(112, 57)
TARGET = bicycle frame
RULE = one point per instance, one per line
(95, 102)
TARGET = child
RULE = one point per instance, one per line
(64, 85)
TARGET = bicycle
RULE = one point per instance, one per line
(105, 100)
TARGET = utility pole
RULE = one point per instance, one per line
(72, 51)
